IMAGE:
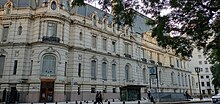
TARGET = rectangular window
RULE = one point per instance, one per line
(170, 60)
(80, 36)
(207, 76)
(5, 33)
(31, 67)
(93, 41)
(2, 63)
(93, 89)
(151, 54)
(202, 77)
(208, 83)
(205, 62)
(177, 63)
(51, 29)
(79, 70)
(15, 67)
(126, 48)
(202, 84)
(199, 56)
(158, 57)
(200, 62)
(78, 91)
(113, 72)
(104, 44)
(113, 46)
(206, 69)
(65, 69)
(143, 53)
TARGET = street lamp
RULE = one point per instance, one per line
(197, 70)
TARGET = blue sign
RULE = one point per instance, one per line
(152, 70)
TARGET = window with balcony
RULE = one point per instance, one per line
(51, 29)
(49, 65)
(127, 50)
(2, 64)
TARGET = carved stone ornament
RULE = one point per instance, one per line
(2, 51)
(50, 50)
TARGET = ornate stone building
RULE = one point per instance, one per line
(52, 52)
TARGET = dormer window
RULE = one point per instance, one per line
(53, 5)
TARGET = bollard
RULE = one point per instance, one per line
(76, 102)
(113, 100)
(94, 102)
(80, 102)
(66, 102)
(108, 102)
(139, 102)
(32, 103)
(44, 102)
(87, 101)
(56, 102)
(123, 102)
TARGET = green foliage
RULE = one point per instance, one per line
(196, 22)
(215, 69)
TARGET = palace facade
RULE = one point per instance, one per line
(50, 51)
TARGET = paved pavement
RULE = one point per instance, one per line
(195, 100)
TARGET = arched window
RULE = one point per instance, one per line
(127, 68)
(172, 78)
(93, 70)
(19, 30)
(104, 71)
(49, 65)
(2, 63)
(113, 72)
(193, 82)
(144, 75)
(94, 21)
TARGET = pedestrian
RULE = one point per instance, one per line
(4, 95)
(149, 94)
(187, 95)
(100, 98)
(97, 98)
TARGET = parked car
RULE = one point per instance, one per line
(216, 98)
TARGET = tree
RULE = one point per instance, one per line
(196, 22)
(216, 75)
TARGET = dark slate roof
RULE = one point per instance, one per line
(139, 25)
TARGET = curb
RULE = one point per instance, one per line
(184, 102)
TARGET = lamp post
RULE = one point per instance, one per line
(197, 70)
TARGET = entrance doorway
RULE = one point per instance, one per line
(47, 91)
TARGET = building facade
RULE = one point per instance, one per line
(51, 52)
(205, 75)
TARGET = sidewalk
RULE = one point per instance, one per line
(195, 100)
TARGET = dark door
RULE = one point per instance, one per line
(47, 91)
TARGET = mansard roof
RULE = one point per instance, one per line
(139, 25)
(31, 3)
